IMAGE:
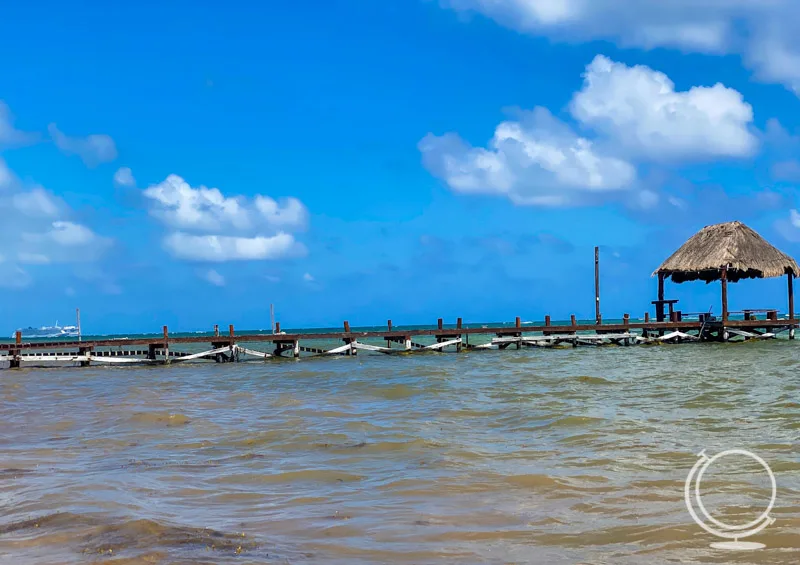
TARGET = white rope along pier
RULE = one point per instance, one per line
(166, 349)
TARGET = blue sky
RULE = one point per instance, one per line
(399, 159)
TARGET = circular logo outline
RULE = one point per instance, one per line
(734, 532)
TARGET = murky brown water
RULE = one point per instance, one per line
(533, 456)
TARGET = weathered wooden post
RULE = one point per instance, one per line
(166, 346)
(14, 361)
(216, 330)
(352, 350)
(660, 305)
(597, 284)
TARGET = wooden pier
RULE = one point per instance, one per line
(723, 252)
(231, 347)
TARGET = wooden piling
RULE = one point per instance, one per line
(166, 345)
(389, 324)
(277, 327)
(440, 323)
(346, 327)
(458, 323)
(14, 362)
(597, 284)
(518, 322)
(626, 319)
(230, 330)
(572, 320)
(647, 317)
(216, 330)
(547, 320)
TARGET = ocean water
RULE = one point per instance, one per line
(530, 456)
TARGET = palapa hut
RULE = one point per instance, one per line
(725, 252)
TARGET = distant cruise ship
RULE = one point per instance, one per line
(49, 331)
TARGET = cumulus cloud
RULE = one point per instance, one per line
(628, 115)
(93, 149)
(6, 177)
(639, 108)
(220, 248)
(763, 33)
(214, 278)
(9, 135)
(124, 177)
(39, 229)
(179, 205)
(537, 160)
(206, 225)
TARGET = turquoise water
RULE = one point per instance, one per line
(530, 456)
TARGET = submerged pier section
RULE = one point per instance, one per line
(221, 348)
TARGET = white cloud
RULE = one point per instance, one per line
(537, 160)
(207, 225)
(6, 177)
(640, 110)
(292, 215)
(789, 227)
(213, 277)
(93, 149)
(629, 115)
(308, 277)
(762, 32)
(38, 229)
(794, 217)
(220, 248)
(36, 203)
(124, 177)
(9, 135)
(181, 206)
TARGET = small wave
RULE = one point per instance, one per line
(160, 418)
(585, 379)
(575, 422)
(305, 476)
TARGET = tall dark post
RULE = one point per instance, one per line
(724, 279)
(660, 306)
(597, 284)
(790, 279)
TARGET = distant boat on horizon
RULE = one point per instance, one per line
(49, 331)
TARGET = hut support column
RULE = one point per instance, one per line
(660, 309)
(723, 332)
(790, 282)
(724, 279)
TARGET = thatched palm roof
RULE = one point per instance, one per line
(732, 244)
